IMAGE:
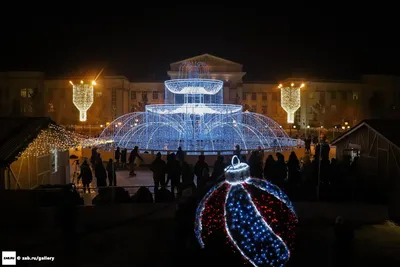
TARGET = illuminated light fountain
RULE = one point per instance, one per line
(83, 97)
(195, 118)
(290, 99)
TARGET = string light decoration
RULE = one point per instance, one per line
(93, 142)
(257, 219)
(83, 97)
(52, 138)
(56, 138)
(290, 99)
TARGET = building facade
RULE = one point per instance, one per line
(376, 144)
(323, 103)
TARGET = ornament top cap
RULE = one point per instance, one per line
(237, 172)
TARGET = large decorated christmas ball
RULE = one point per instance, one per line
(255, 217)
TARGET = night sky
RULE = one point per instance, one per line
(307, 44)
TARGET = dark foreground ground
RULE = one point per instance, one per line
(151, 243)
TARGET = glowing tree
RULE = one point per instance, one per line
(290, 100)
(82, 97)
(254, 217)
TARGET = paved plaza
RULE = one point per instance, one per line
(131, 184)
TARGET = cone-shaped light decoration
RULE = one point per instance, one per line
(83, 97)
(290, 99)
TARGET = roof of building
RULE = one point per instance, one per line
(17, 133)
(388, 128)
(207, 57)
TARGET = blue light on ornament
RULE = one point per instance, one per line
(256, 216)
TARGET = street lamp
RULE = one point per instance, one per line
(290, 129)
(308, 127)
(319, 162)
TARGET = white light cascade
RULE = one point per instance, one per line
(290, 100)
(83, 98)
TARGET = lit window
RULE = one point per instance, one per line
(27, 92)
(27, 108)
(355, 95)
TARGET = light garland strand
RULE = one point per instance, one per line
(54, 137)
(58, 138)
(93, 142)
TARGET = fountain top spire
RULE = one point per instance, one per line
(194, 70)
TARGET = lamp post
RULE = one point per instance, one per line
(319, 162)
(334, 129)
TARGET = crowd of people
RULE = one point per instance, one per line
(179, 173)
(310, 177)
(102, 173)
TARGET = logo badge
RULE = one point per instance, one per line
(9, 258)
